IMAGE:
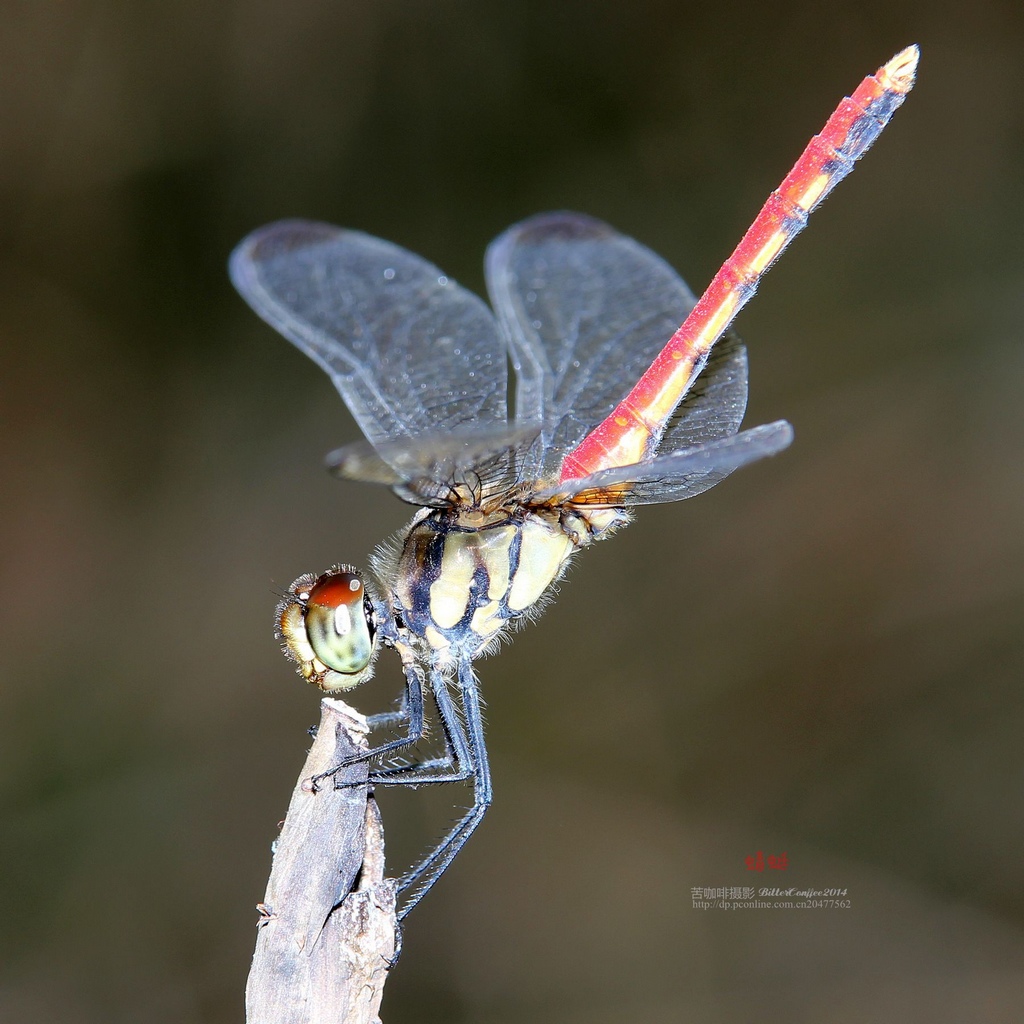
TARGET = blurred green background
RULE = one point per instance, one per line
(823, 655)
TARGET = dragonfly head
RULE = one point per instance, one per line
(326, 624)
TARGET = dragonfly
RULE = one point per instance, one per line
(607, 415)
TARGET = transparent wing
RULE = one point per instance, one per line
(430, 469)
(585, 311)
(713, 407)
(679, 474)
(410, 351)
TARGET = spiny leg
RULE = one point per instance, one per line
(455, 765)
(413, 715)
(391, 719)
(430, 869)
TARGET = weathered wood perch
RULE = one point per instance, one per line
(328, 931)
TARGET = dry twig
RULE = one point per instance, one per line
(328, 933)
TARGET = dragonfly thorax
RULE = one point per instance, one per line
(462, 576)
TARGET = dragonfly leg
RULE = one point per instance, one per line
(403, 774)
(413, 715)
(390, 719)
(452, 766)
(429, 870)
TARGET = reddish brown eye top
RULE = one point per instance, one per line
(338, 589)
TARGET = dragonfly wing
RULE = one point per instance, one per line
(585, 310)
(428, 469)
(716, 401)
(410, 351)
(676, 475)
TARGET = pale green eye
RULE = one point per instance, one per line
(338, 626)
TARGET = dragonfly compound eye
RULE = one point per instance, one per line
(337, 625)
(328, 628)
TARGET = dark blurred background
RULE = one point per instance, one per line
(822, 656)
